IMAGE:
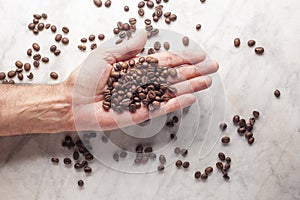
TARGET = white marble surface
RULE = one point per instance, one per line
(267, 170)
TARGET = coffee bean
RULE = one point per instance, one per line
(158, 1)
(237, 42)
(65, 29)
(2, 75)
(141, 12)
(249, 127)
(167, 46)
(29, 52)
(58, 37)
(202, 1)
(166, 1)
(44, 16)
(36, 46)
(87, 169)
(219, 165)
(259, 50)
(226, 177)
(242, 123)
(78, 166)
(251, 140)
(198, 27)
(224, 172)
(31, 26)
(11, 74)
(160, 168)
(173, 17)
(227, 166)
(84, 164)
(162, 159)
(37, 56)
(65, 41)
(221, 156)
(204, 176)
(126, 8)
(116, 157)
(80, 183)
(150, 4)
(98, 3)
(185, 41)
(81, 47)
(53, 48)
(197, 174)
(11, 82)
(141, 4)
(185, 165)
(255, 114)
(148, 150)
(251, 43)
(277, 93)
(18, 64)
(92, 37)
(223, 126)
(168, 20)
(208, 170)
(178, 163)
(35, 21)
(45, 60)
(53, 28)
(101, 36)
(132, 21)
(37, 16)
(35, 31)
(20, 76)
(19, 70)
(241, 130)
(107, 3)
(5, 81)
(57, 52)
(225, 140)
(167, 14)
(40, 26)
(55, 160)
(75, 155)
(177, 150)
(54, 75)
(89, 157)
(184, 152)
(116, 31)
(236, 119)
(228, 159)
(30, 76)
(67, 161)
(93, 46)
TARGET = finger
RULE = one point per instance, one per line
(187, 72)
(124, 51)
(192, 85)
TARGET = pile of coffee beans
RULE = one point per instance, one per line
(134, 84)
(250, 43)
(224, 167)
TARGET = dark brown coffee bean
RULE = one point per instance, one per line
(87, 169)
(155, 18)
(228, 159)
(93, 46)
(31, 26)
(57, 52)
(249, 127)
(162, 159)
(29, 52)
(47, 26)
(227, 166)
(44, 16)
(251, 140)
(251, 43)
(37, 56)
(221, 156)
(167, 46)
(225, 140)
(5, 81)
(77, 166)
(185, 165)
(53, 48)
(241, 130)
(126, 26)
(208, 170)
(11, 82)
(184, 152)
(82, 47)
(116, 31)
(147, 21)
(242, 123)
(107, 3)
(259, 50)
(173, 17)
(80, 183)
(185, 41)
(2, 75)
(236, 119)
(178, 163)
(35, 21)
(40, 26)
(67, 161)
(54, 75)
(45, 60)
(101, 36)
(98, 3)
(160, 168)
(36, 64)
(255, 114)
(58, 37)
(204, 176)
(223, 126)
(168, 20)
(36, 46)
(197, 174)
(141, 12)
(198, 27)
(30, 76)
(19, 70)
(226, 177)
(132, 21)
(53, 28)
(202, 1)
(150, 4)
(75, 155)
(35, 31)
(126, 8)
(65, 29)
(148, 150)
(92, 37)
(55, 160)
(219, 165)
(141, 4)
(11, 74)
(224, 172)
(37, 16)
(65, 41)
(166, 1)
(83, 40)
(20, 76)
(89, 157)
(237, 42)
(277, 93)
(158, 1)
(18, 64)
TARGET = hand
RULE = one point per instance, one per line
(89, 80)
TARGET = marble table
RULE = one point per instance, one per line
(269, 169)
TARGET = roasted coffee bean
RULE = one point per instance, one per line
(167, 14)
(107, 3)
(150, 4)
(84, 164)
(139, 149)
(53, 28)
(236, 119)
(237, 42)
(277, 93)
(227, 166)
(45, 60)
(44, 16)
(30, 76)
(173, 136)
(157, 46)
(5, 81)
(204, 176)
(20, 76)
(166, 1)
(251, 43)
(54, 75)
(40, 26)
(158, 1)
(87, 169)
(101, 36)
(241, 130)
(2, 75)
(92, 37)
(37, 16)
(226, 177)
(77, 166)
(122, 34)
(65, 29)
(147, 21)
(259, 50)
(98, 3)
(198, 27)
(65, 40)
(126, 8)
(11, 82)
(47, 26)
(81, 47)
(223, 126)
(80, 183)
(18, 64)
(255, 114)
(185, 41)
(35, 21)
(31, 26)
(36, 46)
(167, 46)
(141, 4)
(19, 70)
(148, 150)
(57, 52)
(178, 163)
(173, 17)
(249, 127)
(67, 161)
(208, 170)
(225, 140)
(89, 157)
(132, 21)
(162, 159)
(29, 52)
(93, 46)
(177, 150)
(197, 174)
(53, 48)
(251, 140)
(160, 168)
(219, 165)
(35, 31)
(116, 31)
(228, 159)
(58, 37)
(11, 74)
(37, 56)
(168, 20)
(83, 40)
(242, 123)
(221, 156)
(55, 160)
(185, 165)
(224, 172)
(202, 1)
(141, 12)
(75, 155)
(184, 152)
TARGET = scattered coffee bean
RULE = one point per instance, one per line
(53, 48)
(148, 150)
(251, 140)
(226, 177)
(81, 47)
(225, 140)
(157, 46)
(249, 127)
(173, 17)
(37, 56)
(183, 152)
(198, 27)
(36, 46)
(11, 74)
(75, 155)
(37, 16)
(141, 12)
(53, 28)
(65, 29)
(236, 119)
(101, 36)
(31, 26)
(58, 37)
(251, 43)
(11, 82)
(208, 170)
(107, 3)
(202, 1)
(44, 16)
(185, 41)
(5, 81)
(178, 163)
(177, 150)
(221, 156)
(224, 172)
(19, 64)
(227, 166)
(54, 75)
(204, 176)
(185, 165)
(167, 46)
(83, 40)
(228, 159)
(242, 123)
(259, 50)
(277, 93)
(150, 4)
(55, 160)
(255, 114)
(40, 26)
(30, 76)
(29, 52)
(35, 21)
(57, 52)
(197, 174)
(67, 161)
(80, 183)
(87, 169)
(160, 168)
(45, 60)
(141, 4)
(241, 130)
(98, 3)
(126, 8)
(20, 76)
(2, 75)
(19, 70)
(162, 159)
(219, 165)
(89, 157)
(93, 46)
(92, 37)
(116, 157)
(36, 64)
(65, 40)
(223, 126)
(237, 42)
